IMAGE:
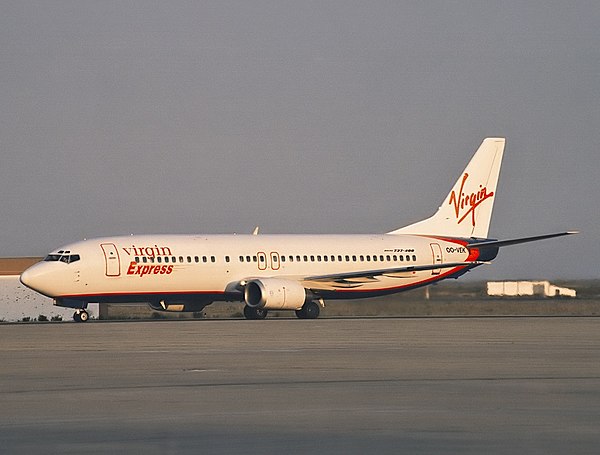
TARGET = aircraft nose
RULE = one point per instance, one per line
(35, 277)
(27, 277)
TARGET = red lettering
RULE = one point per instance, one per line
(141, 270)
(148, 251)
(460, 200)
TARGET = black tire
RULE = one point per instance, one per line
(76, 317)
(310, 310)
(84, 316)
(254, 313)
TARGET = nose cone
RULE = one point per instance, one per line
(39, 278)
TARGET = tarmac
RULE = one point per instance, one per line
(343, 386)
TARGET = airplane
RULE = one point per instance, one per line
(282, 272)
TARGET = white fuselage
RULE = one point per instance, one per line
(148, 267)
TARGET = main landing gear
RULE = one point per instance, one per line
(81, 316)
(254, 313)
(310, 310)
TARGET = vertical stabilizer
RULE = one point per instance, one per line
(467, 210)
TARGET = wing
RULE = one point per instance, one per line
(355, 279)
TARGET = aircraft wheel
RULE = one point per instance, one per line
(77, 316)
(255, 313)
(83, 316)
(310, 310)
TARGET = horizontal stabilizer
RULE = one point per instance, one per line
(499, 243)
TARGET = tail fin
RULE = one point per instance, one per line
(467, 210)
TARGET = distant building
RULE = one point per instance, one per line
(18, 303)
(527, 288)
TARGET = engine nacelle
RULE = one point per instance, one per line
(274, 294)
(178, 306)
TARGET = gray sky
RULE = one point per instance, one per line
(300, 116)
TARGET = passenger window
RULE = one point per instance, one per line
(173, 259)
(167, 259)
(282, 258)
(204, 259)
(158, 259)
(362, 258)
(353, 258)
(196, 259)
(340, 258)
(305, 258)
(144, 259)
(189, 259)
(312, 259)
(375, 257)
(414, 258)
(254, 258)
(388, 258)
(226, 258)
(137, 259)
(248, 259)
(213, 259)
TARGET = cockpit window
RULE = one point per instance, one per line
(66, 258)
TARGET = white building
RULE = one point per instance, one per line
(18, 302)
(527, 288)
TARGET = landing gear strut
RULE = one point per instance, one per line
(255, 313)
(310, 310)
(81, 316)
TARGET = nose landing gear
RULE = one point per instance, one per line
(81, 316)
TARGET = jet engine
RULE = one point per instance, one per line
(274, 294)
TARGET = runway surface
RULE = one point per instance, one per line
(473, 385)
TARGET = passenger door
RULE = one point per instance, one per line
(111, 259)
(436, 250)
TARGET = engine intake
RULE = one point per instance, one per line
(274, 294)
